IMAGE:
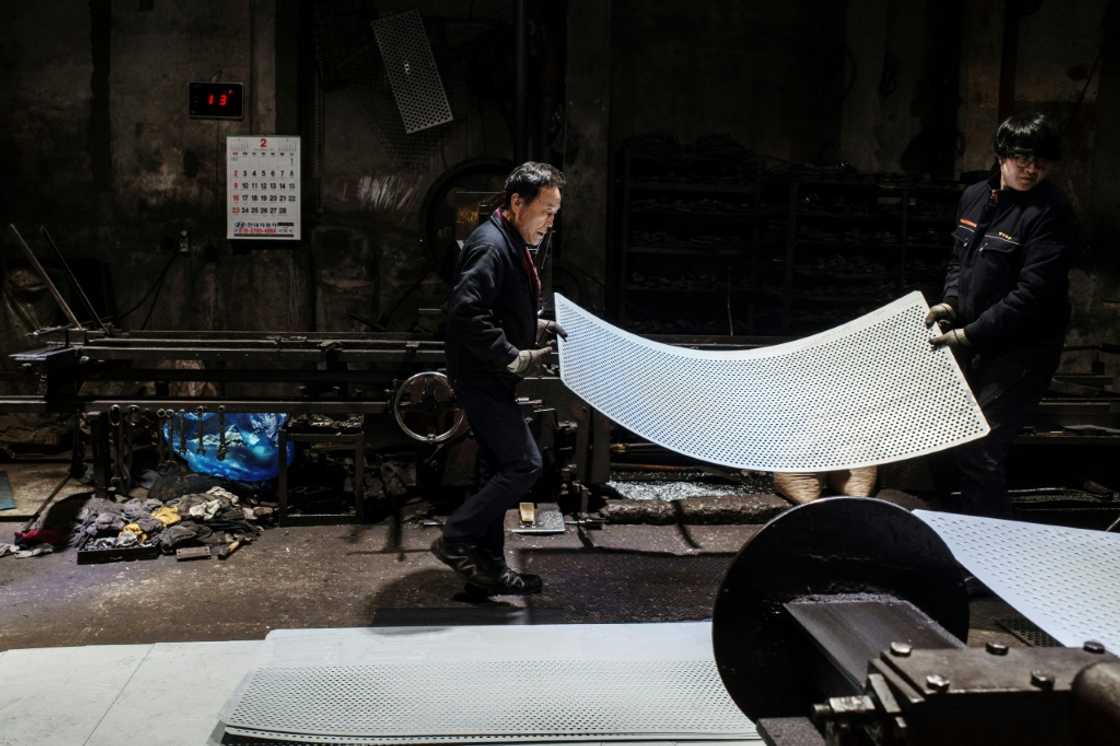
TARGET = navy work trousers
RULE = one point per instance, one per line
(1007, 388)
(511, 463)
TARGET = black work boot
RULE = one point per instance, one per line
(519, 583)
(511, 582)
(467, 560)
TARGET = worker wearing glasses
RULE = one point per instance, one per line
(1005, 304)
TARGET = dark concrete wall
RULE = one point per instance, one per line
(902, 66)
(97, 142)
(767, 74)
(102, 151)
(101, 148)
(375, 177)
(581, 271)
(45, 138)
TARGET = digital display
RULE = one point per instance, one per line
(217, 100)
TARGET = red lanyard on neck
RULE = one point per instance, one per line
(530, 265)
(534, 275)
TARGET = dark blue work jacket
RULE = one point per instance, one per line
(492, 310)
(1008, 276)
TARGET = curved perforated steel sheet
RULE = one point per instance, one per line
(1062, 579)
(867, 392)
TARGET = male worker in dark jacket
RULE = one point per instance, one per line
(1006, 299)
(494, 337)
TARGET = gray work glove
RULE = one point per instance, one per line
(547, 329)
(941, 312)
(528, 361)
(954, 339)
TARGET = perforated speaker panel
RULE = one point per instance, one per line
(412, 71)
(1062, 579)
(562, 699)
(867, 392)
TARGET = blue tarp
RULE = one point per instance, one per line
(251, 445)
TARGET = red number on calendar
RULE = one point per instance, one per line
(264, 142)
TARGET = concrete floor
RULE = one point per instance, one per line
(32, 483)
(342, 576)
(350, 576)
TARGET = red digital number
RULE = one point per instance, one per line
(223, 100)
(210, 100)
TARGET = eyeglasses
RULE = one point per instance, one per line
(1025, 161)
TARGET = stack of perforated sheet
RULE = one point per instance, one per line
(474, 684)
(1062, 579)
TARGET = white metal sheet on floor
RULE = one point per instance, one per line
(60, 695)
(173, 693)
(166, 694)
(634, 682)
(1062, 579)
(182, 687)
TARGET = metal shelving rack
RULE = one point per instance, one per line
(858, 243)
(723, 254)
(797, 253)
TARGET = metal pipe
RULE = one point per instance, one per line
(176, 407)
(74, 279)
(521, 85)
(46, 278)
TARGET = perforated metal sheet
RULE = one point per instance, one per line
(242, 737)
(867, 392)
(1062, 579)
(1028, 632)
(412, 71)
(559, 698)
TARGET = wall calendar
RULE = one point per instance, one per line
(262, 187)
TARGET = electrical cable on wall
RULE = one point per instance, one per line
(151, 288)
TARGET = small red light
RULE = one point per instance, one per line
(210, 99)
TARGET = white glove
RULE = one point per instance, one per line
(941, 312)
(529, 360)
(547, 329)
(954, 338)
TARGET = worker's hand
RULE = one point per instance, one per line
(528, 361)
(954, 339)
(547, 329)
(941, 312)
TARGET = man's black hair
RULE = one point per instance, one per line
(529, 178)
(1032, 135)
